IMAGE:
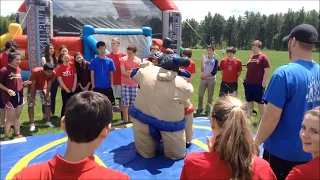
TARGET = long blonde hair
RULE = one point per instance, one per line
(234, 142)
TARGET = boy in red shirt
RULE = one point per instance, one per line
(41, 79)
(309, 134)
(116, 55)
(12, 93)
(87, 123)
(10, 46)
(67, 76)
(231, 154)
(192, 67)
(231, 68)
(128, 87)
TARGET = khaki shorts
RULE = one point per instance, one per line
(117, 91)
(42, 94)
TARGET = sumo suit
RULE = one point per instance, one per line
(159, 109)
(189, 108)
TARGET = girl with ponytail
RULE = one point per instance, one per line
(231, 153)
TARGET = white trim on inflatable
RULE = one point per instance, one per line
(14, 141)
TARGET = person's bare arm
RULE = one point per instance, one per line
(125, 72)
(62, 83)
(75, 82)
(111, 77)
(92, 78)
(43, 61)
(265, 77)
(268, 123)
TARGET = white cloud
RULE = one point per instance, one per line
(198, 9)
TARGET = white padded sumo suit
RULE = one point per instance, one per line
(159, 111)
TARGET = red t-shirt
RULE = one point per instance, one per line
(230, 69)
(3, 60)
(67, 73)
(58, 168)
(11, 78)
(84, 75)
(191, 68)
(255, 68)
(308, 171)
(207, 165)
(116, 60)
(40, 79)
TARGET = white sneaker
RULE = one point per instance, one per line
(32, 127)
(49, 124)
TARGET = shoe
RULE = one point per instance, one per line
(32, 127)
(188, 144)
(207, 113)
(2, 130)
(49, 124)
(18, 136)
(6, 139)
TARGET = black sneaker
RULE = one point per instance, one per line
(207, 113)
(2, 130)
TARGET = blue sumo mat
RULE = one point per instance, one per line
(116, 152)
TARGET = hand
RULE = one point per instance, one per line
(67, 90)
(47, 95)
(210, 143)
(202, 77)
(26, 83)
(264, 84)
(11, 93)
(31, 99)
(73, 89)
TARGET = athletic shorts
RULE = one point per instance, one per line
(16, 101)
(117, 91)
(2, 105)
(128, 94)
(42, 94)
(107, 92)
(254, 92)
(228, 88)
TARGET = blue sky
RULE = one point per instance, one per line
(198, 9)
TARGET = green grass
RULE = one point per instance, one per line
(277, 58)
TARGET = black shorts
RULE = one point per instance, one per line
(16, 101)
(254, 92)
(107, 92)
(2, 105)
(280, 167)
(228, 88)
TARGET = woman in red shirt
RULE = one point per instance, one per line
(83, 73)
(67, 77)
(12, 93)
(231, 153)
(309, 134)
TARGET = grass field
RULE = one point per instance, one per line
(276, 58)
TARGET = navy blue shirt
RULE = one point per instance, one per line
(294, 88)
(101, 69)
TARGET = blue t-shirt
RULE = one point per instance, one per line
(294, 88)
(101, 69)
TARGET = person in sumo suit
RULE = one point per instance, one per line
(159, 109)
(189, 108)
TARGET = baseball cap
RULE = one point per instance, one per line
(304, 33)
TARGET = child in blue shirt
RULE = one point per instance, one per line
(102, 68)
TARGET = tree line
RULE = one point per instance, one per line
(241, 31)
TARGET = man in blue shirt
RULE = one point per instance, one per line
(102, 69)
(293, 90)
